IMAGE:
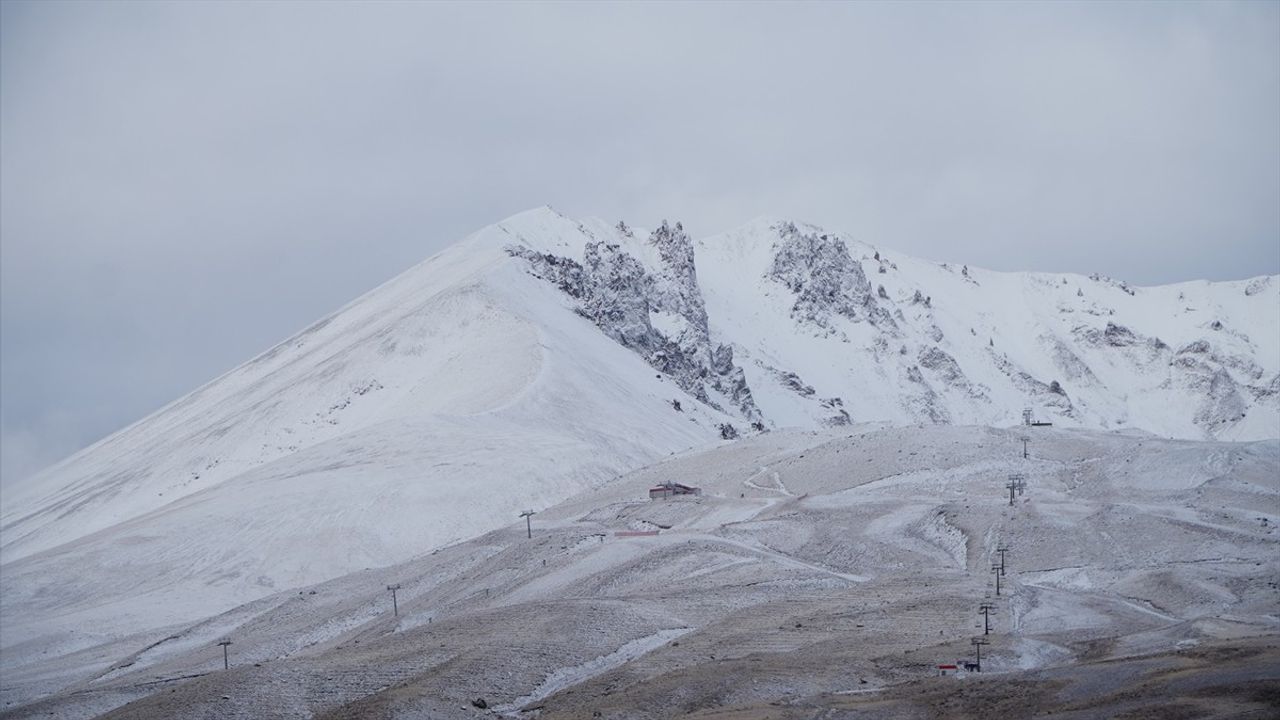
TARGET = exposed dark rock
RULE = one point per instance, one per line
(825, 278)
(840, 419)
(793, 381)
(564, 273)
(923, 401)
(1035, 390)
(1257, 285)
(619, 295)
(1223, 402)
(943, 365)
(658, 311)
(1118, 335)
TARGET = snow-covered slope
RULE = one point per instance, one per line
(430, 410)
(828, 330)
(542, 356)
(815, 565)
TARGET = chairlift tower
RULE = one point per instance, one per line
(1017, 484)
(977, 644)
(226, 664)
(395, 606)
(986, 609)
(528, 526)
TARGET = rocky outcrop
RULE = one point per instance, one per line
(615, 296)
(921, 400)
(1223, 383)
(943, 345)
(946, 371)
(1222, 401)
(841, 416)
(1050, 394)
(1068, 361)
(943, 365)
(825, 279)
(676, 288)
(564, 273)
(659, 314)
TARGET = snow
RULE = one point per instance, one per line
(570, 676)
(373, 436)
(437, 407)
(813, 562)
(1027, 315)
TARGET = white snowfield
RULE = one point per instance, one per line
(440, 405)
(817, 567)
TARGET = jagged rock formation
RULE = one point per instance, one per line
(826, 280)
(625, 299)
(917, 330)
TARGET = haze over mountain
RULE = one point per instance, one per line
(543, 356)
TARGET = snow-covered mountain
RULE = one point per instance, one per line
(785, 324)
(543, 356)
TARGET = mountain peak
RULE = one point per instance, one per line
(546, 355)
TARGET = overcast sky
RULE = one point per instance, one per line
(184, 184)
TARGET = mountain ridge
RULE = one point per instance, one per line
(826, 280)
(478, 384)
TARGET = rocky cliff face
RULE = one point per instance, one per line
(924, 342)
(659, 313)
(825, 279)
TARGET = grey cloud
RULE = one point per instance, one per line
(183, 184)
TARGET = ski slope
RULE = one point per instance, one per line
(815, 565)
(440, 405)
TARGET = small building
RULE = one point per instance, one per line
(671, 489)
(948, 669)
(1029, 420)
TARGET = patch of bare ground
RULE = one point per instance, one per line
(1238, 680)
